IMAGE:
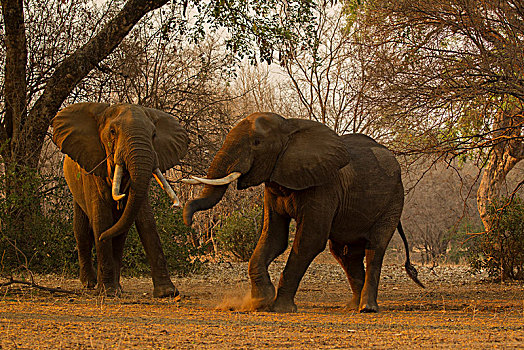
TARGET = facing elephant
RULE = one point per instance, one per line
(112, 151)
(343, 189)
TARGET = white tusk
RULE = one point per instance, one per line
(191, 181)
(117, 180)
(219, 182)
(166, 187)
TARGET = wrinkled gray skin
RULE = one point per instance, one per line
(346, 190)
(95, 137)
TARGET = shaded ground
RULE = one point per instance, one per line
(456, 310)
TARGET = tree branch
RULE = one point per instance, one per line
(34, 285)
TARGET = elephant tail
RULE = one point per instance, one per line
(410, 269)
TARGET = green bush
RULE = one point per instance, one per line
(462, 243)
(501, 250)
(239, 232)
(36, 224)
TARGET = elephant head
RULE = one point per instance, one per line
(265, 147)
(125, 144)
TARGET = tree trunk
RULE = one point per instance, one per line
(507, 151)
(15, 88)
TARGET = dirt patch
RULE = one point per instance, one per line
(456, 310)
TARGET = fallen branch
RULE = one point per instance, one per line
(34, 285)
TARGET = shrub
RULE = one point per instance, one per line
(239, 232)
(36, 224)
(501, 250)
(462, 243)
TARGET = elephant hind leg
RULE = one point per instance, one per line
(375, 249)
(351, 258)
(85, 242)
(368, 300)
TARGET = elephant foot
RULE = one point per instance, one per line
(283, 306)
(354, 303)
(262, 297)
(258, 304)
(89, 283)
(110, 291)
(368, 308)
(165, 291)
(88, 279)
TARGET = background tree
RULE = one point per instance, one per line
(448, 76)
(326, 74)
(440, 208)
(27, 112)
(26, 121)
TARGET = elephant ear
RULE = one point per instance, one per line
(75, 132)
(313, 156)
(171, 139)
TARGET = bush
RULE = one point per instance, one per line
(36, 224)
(462, 243)
(501, 250)
(239, 232)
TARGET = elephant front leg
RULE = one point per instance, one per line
(272, 243)
(310, 240)
(106, 277)
(118, 252)
(84, 242)
(107, 283)
(146, 227)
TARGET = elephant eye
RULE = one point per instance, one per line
(256, 142)
(112, 132)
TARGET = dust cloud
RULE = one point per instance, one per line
(239, 303)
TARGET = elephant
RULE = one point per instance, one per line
(112, 152)
(343, 189)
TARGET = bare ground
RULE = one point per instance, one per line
(456, 310)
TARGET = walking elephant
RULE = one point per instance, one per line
(112, 151)
(343, 189)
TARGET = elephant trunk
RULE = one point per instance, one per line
(211, 194)
(209, 197)
(140, 168)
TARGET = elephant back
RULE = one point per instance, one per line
(372, 165)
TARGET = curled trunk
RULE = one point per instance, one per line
(140, 172)
(210, 195)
